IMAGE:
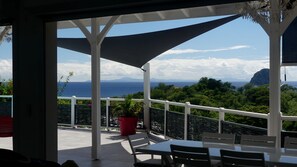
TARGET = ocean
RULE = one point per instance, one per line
(119, 89)
(112, 89)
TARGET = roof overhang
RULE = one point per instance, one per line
(58, 10)
(184, 13)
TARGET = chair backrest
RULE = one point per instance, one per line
(290, 142)
(6, 126)
(239, 159)
(190, 156)
(218, 138)
(253, 140)
(138, 140)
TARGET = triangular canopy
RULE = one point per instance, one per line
(138, 49)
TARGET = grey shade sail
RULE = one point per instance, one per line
(289, 48)
(138, 49)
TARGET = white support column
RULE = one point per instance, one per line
(147, 95)
(95, 39)
(96, 105)
(274, 72)
(275, 29)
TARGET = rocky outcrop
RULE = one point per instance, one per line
(261, 77)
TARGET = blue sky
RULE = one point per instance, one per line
(232, 52)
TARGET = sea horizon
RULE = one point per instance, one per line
(120, 89)
(112, 88)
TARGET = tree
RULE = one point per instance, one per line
(5, 34)
(262, 10)
(6, 87)
(61, 87)
(215, 93)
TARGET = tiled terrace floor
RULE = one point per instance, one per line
(76, 145)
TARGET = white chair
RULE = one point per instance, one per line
(257, 140)
(290, 142)
(139, 140)
(218, 138)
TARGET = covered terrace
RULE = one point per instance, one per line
(103, 47)
(35, 122)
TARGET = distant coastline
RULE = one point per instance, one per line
(119, 89)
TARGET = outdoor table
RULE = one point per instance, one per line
(273, 156)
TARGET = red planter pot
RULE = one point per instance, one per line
(6, 126)
(128, 125)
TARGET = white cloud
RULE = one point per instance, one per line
(81, 71)
(113, 70)
(5, 69)
(109, 70)
(188, 51)
(173, 69)
(182, 69)
(225, 69)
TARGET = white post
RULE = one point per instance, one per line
(274, 72)
(187, 112)
(221, 118)
(96, 105)
(95, 39)
(166, 108)
(146, 95)
(268, 123)
(73, 103)
(11, 107)
(281, 122)
(107, 113)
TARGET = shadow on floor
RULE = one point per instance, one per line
(112, 155)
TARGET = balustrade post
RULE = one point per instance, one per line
(146, 96)
(268, 123)
(281, 123)
(187, 111)
(11, 107)
(150, 103)
(73, 103)
(107, 113)
(221, 118)
(166, 108)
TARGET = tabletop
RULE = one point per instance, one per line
(274, 156)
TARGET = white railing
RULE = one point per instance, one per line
(187, 110)
(107, 100)
(222, 111)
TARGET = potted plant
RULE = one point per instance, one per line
(127, 113)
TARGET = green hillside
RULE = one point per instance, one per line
(215, 93)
